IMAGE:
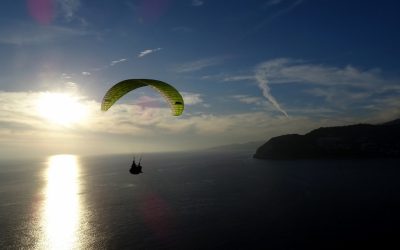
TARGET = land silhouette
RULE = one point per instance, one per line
(352, 141)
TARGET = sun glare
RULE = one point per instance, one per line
(60, 108)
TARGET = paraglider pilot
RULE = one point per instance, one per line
(136, 169)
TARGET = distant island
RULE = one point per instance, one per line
(353, 141)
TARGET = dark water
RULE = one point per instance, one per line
(199, 201)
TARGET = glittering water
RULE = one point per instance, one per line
(197, 201)
(61, 213)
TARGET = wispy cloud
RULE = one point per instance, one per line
(148, 51)
(238, 78)
(340, 97)
(261, 75)
(249, 99)
(104, 67)
(65, 76)
(197, 3)
(118, 61)
(199, 64)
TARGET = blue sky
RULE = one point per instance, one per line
(248, 70)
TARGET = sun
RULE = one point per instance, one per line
(61, 108)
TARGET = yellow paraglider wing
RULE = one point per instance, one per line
(172, 96)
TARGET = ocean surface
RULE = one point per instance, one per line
(199, 201)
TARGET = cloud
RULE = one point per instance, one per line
(148, 51)
(23, 129)
(18, 110)
(238, 78)
(118, 61)
(284, 70)
(261, 77)
(384, 109)
(340, 97)
(199, 64)
(241, 127)
(65, 76)
(104, 67)
(188, 97)
(340, 86)
(71, 87)
(249, 99)
(191, 98)
(27, 33)
(197, 3)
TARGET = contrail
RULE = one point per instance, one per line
(261, 76)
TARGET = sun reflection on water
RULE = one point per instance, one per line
(61, 212)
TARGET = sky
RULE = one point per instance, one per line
(247, 70)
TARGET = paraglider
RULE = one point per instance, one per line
(172, 96)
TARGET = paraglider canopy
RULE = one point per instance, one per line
(171, 95)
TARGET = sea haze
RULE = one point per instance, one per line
(203, 200)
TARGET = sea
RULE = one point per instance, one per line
(199, 200)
